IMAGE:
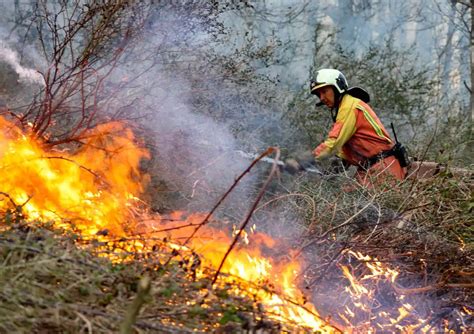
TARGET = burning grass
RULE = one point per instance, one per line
(408, 249)
(106, 263)
(51, 285)
(92, 192)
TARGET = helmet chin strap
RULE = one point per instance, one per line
(334, 115)
(336, 105)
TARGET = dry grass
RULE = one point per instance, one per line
(53, 281)
(49, 285)
(424, 229)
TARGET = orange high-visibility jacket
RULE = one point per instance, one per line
(357, 135)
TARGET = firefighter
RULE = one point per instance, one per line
(357, 135)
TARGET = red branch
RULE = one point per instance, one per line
(254, 206)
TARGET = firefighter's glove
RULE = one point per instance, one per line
(292, 166)
(308, 162)
(337, 165)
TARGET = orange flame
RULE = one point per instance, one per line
(248, 262)
(91, 187)
(362, 297)
(96, 188)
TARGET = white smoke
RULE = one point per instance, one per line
(195, 153)
(195, 158)
(26, 75)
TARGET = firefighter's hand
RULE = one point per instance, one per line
(337, 165)
(319, 151)
(292, 166)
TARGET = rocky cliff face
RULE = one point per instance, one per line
(433, 29)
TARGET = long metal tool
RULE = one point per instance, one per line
(306, 167)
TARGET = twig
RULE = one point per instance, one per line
(237, 180)
(134, 308)
(328, 265)
(467, 87)
(308, 198)
(375, 228)
(17, 207)
(69, 160)
(346, 222)
(87, 321)
(410, 291)
(254, 206)
(166, 229)
(9, 197)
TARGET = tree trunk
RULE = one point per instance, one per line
(16, 3)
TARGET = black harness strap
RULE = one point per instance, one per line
(369, 162)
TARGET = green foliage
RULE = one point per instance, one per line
(450, 141)
(230, 314)
(401, 92)
(13, 216)
(169, 290)
(400, 88)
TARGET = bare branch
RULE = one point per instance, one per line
(254, 206)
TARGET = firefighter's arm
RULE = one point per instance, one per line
(341, 132)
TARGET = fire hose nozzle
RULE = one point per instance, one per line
(291, 166)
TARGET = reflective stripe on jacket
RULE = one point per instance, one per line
(356, 135)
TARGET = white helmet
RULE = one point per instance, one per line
(329, 77)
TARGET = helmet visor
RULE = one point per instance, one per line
(316, 85)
